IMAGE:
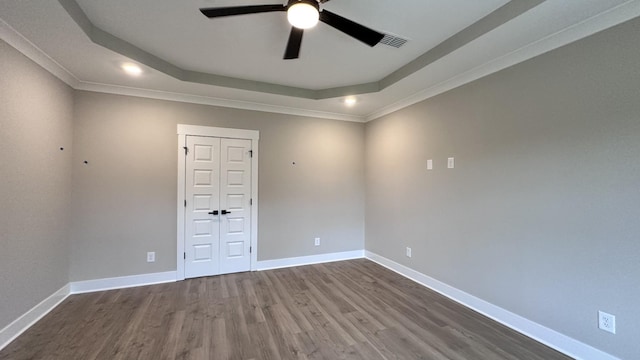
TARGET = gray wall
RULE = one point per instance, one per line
(541, 215)
(124, 199)
(35, 183)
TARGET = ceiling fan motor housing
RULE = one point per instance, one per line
(313, 3)
(302, 14)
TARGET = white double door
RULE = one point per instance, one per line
(218, 214)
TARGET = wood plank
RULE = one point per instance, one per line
(344, 310)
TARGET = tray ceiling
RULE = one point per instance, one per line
(237, 61)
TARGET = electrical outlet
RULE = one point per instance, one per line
(430, 164)
(317, 242)
(408, 251)
(606, 322)
(151, 256)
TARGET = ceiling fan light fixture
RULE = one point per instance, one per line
(303, 15)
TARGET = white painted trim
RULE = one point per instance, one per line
(255, 203)
(123, 282)
(182, 142)
(309, 260)
(599, 22)
(35, 54)
(590, 26)
(544, 335)
(218, 132)
(24, 322)
(207, 100)
(28, 319)
(196, 130)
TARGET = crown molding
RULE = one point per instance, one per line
(38, 56)
(587, 27)
(602, 21)
(31, 51)
(495, 19)
(205, 100)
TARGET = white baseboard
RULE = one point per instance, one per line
(79, 287)
(551, 338)
(309, 260)
(21, 324)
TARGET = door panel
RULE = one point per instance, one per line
(202, 237)
(218, 177)
(235, 197)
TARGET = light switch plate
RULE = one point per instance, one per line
(451, 163)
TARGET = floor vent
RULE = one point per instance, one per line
(393, 40)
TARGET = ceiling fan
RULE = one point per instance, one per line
(302, 14)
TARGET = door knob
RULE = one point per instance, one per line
(214, 212)
(225, 212)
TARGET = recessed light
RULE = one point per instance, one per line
(350, 101)
(131, 69)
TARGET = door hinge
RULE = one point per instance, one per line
(185, 203)
(185, 256)
(250, 249)
(186, 150)
(250, 153)
(250, 201)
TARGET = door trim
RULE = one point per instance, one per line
(194, 130)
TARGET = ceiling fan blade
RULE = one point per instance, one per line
(293, 46)
(360, 32)
(241, 10)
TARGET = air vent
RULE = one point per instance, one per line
(393, 40)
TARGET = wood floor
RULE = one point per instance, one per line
(345, 310)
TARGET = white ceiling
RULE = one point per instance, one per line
(251, 47)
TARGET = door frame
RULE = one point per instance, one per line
(195, 130)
